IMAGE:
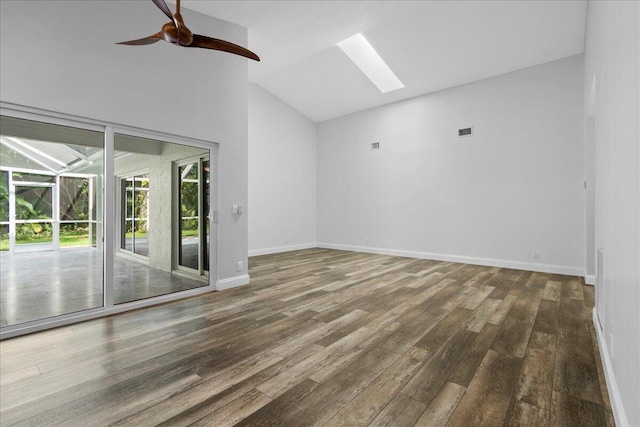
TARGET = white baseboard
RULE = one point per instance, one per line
(590, 279)
(612, 386)
(518, 265)
(232, 282)
(275, 250)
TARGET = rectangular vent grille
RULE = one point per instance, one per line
(465, 131)
(375, 145)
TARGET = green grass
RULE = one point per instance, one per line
(65, 241)
(74, 240)
(186, 233)
(82, 240)
(138, 234)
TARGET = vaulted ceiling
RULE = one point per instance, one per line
(430, 45)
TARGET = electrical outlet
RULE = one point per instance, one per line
(239, 266)
(536, 254)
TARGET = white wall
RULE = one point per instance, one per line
(612, 55)
(514, 187)
(282, 176)
(590, 198)
(61, 56)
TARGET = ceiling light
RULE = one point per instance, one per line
(367, 59)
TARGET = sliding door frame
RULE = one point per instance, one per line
(110, 216)
(203, 216)
(121, 207)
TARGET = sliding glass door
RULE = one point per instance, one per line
(89, 219)
(150, 191)
(193, 215)
(134, 213)
(50, 254)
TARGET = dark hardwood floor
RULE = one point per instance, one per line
(324, 337)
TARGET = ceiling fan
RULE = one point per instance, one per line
(176, 32)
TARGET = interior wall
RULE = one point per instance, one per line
(508, 194)
(61, 56)
(282, 176)
(590, 198)
(612, 55)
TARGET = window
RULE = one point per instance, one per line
(134, 193)
(193, 214)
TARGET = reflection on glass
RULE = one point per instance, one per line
(77, 211)
(4, 237)
(49, 206)
(33, 216)
(135, 192)
(33, 202)
(32, 177)
(127, 189)
(51, 219)
(4, 210)
(189, 216)
(155, 178)
(205, 190)
(32, 233)
(94, 213)
(140, 215)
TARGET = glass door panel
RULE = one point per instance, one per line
(47, 183)
(207, 212)
(135, 211)
(52, 188)
(194, 215)
(95, 214)
(140, 214)
(75, 222)
(4, 211)
(189, 221)
(126, 241)
(149, 251)
(34, 226)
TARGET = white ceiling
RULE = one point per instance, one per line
(430, 45)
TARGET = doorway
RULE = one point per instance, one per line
(66, 254)
(192, 215)
(134, 214)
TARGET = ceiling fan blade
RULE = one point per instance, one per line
(163, 7)
(225, 46)
(147, 40)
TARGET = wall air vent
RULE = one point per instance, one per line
(465, 131)
(375, 145)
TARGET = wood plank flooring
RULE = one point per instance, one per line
(325, 337)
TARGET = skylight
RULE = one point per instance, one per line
(367, 59)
